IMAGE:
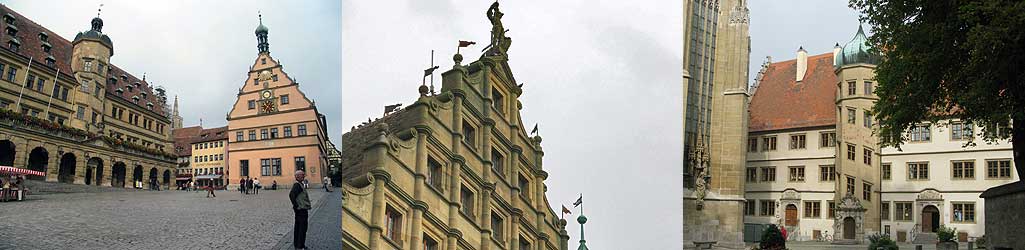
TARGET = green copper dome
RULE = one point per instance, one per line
(581, 219)
(261, 28)
(857, 51)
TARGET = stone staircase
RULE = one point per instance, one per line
(41, 187)
(925, 239)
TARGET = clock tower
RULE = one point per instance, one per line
(274, 129)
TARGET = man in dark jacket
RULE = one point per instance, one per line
(301, 206)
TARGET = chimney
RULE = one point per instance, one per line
(802, 63)
(836, 54)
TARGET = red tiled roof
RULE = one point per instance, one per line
(61, 48)
(183, 139)
(782, 103)
(213, 134)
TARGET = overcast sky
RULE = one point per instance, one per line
(779, 27)
(202, 50)
(601, 79)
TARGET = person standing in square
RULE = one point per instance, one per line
(301, 206)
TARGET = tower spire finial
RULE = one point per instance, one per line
(259, 14)
(99, 10)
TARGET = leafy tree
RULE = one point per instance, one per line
(772, 239)
(943, 59)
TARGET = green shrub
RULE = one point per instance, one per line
(945, 233)
(881, 240)
(772, 239)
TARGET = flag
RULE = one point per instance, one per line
(430, 71)
(565, 210)
(534, 131)
(466, 43)
(579, 201)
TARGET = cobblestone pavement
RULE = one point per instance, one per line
(149, 220)
(805, 245)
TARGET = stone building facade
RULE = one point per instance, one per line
(815, 166)
(716, 55)
(454, 170)
(66, 110)
(274, 129)
(209, 155)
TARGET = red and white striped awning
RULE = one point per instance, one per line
(6, 170)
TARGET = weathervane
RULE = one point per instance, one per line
(430, 72)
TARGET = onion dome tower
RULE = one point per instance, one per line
(261, 37)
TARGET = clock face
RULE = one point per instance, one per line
(266, 94)
(267, 107)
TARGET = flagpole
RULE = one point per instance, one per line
(54, 92)
(27, 71)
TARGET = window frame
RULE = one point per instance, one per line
(963, 171)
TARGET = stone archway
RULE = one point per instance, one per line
(791, 216)
(850, 208)
(930, 219)
(7, 152)
(136, 175)
(152, 178)
(167, 179)
(117, 175)
(38, 160)
(66, 170)
(95, 166)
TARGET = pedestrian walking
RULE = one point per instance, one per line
(256, 185)
(249, 186)
(210, 191)
(327, 183)
(242, 186)
(301, 206)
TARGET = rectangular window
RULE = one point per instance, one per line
(524, 186)
(998, 130)
(752, 175)
(30, 82)
(960, 131)
(252, 104)
(797, 141)
(300, 163)
(963, 212)
(302, 129)
(852, 88)
(920, 133)
(868, 88)
(752, 145)
(850, 152)
(963, 169)
(284, 99)
(887, 171)
(466, 197)
(64, 94)
(434, 174)
(273, 133)
(768, 208)
(866, 191)
(998, 168)
(243, 168)
(496, 226)
(852, 114)
(469, 134)
(11, 71)
(827, 140)
(868, 157)
(40, 82)
(263, 134)
(81, 113)
(827, 173)
(749, 207)
(850, 185)
(270, 167)
(903, 211)
(812, 209)
(393, 224)
(497, 162)
(918, 171)
(832, 209)
(288, 131)
(768, 174)
(429, 243)
(884, 210)
(769, 143)
(868, 119)
(238, 136)
(797, 173)
(498, 100)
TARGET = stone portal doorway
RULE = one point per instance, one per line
(849, 228)
(37, 160)
(66, 169)
(930, 219)
(791, 215)
(96, 166)
(7, 150)
(117, 175)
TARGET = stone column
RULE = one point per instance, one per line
(81, 166)
(377, 219)
(53, 165)
(21, 152)
(108, 168)
(514, 193)
(419, 176)
(455, 165)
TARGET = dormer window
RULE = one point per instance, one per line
(11, 30)
(137, 84)
(263, 60)
(119, 91)
(43, 37)
(50, 61)
(135, 99)
(129, 88)
(143, 95)
(46, 47)
(149, 105)
(13, 45)
(9, 19)
(124, 77)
